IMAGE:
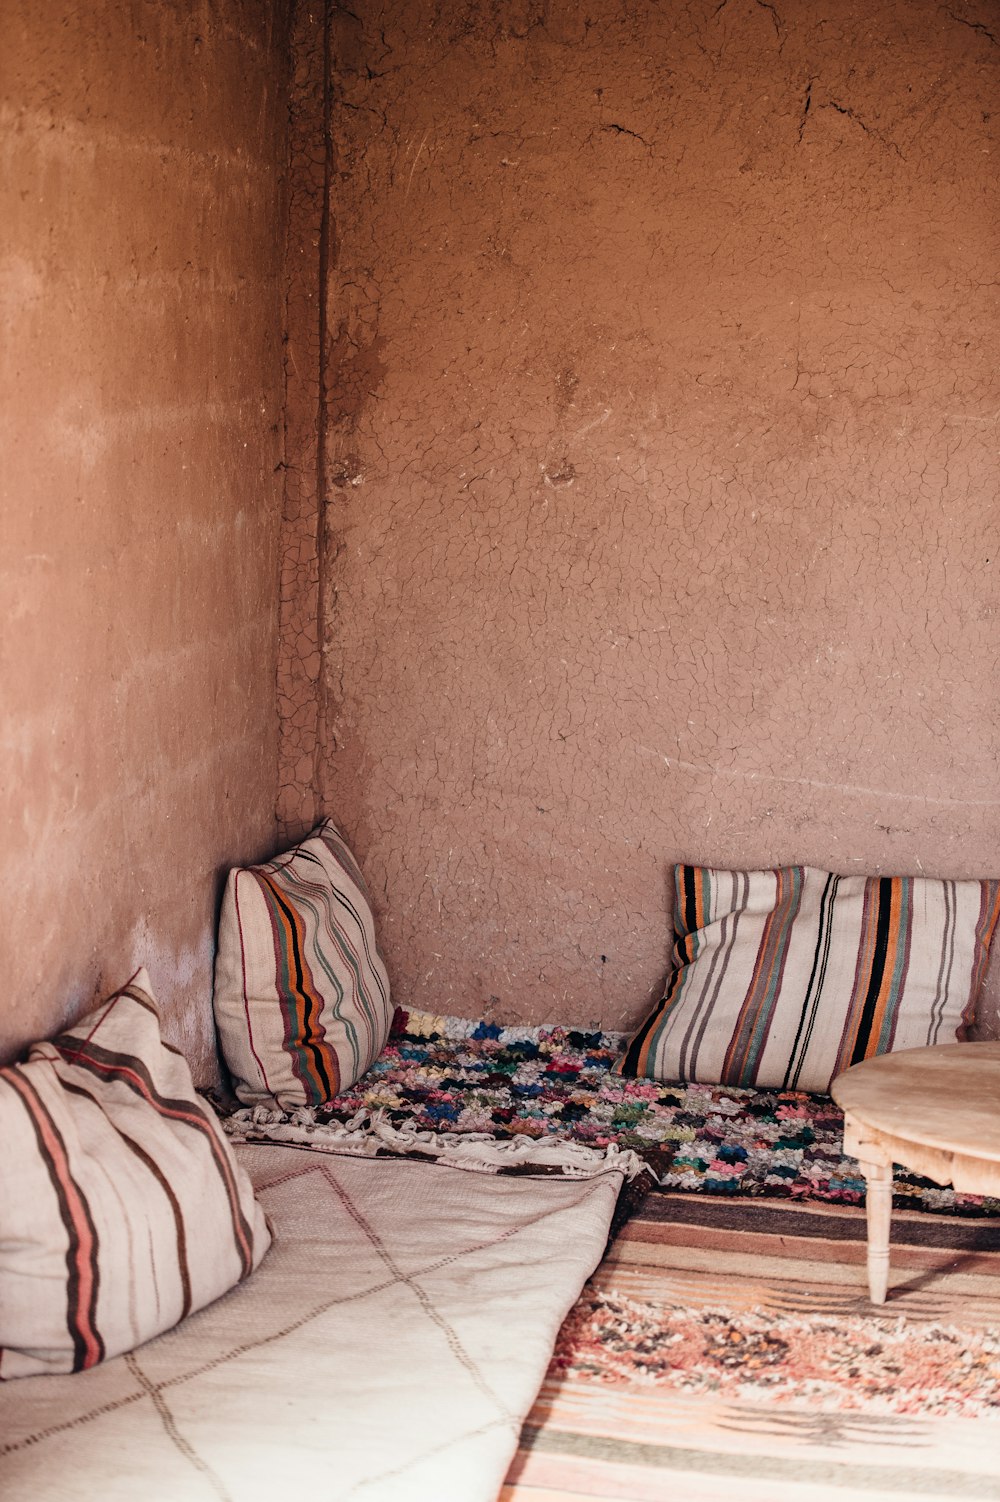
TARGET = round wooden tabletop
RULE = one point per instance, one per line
(947, 1098)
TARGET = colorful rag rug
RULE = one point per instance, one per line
(726, 1349)
(460, 1083)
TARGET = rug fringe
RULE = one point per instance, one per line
(455, 1029)
(369, 1132)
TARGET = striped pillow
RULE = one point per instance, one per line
(301, 995)
(122, 1208)
(785, 978)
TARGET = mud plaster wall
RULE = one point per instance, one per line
(143, 148)
(645, 488)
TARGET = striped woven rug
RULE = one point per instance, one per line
(727, 1349)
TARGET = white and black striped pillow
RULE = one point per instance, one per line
(122, 1207)
(785, 978)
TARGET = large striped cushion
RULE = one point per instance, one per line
(785, 978)
(122, 1208)
(301, 994)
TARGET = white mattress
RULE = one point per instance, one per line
(387, 1349)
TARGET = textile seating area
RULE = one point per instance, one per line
(436, 1192)
(726, 1345)
(693, 1359)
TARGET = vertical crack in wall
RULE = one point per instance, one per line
(299, 675)
(322, 515)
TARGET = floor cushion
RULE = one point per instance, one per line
(122, 1208)
(785, 978)
(301, 995)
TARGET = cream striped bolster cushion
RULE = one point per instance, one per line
(122, 1207)
(785, 978)
(301, 995)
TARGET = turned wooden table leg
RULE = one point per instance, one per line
(879, 1214)
(931, 1110)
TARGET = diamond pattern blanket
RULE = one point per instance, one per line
(386, 1350)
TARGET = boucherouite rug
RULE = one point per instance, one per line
(387, 1349)
(727, 1350)
(478, 1092)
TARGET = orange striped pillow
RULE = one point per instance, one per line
(301, 995)
(785, 978)
(122, 1207)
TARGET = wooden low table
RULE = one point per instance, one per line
(935, 1111)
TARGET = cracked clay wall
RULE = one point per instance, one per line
(141, 370)
(657, 393)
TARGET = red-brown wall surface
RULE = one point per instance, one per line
(658, 403)
(143, 146)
